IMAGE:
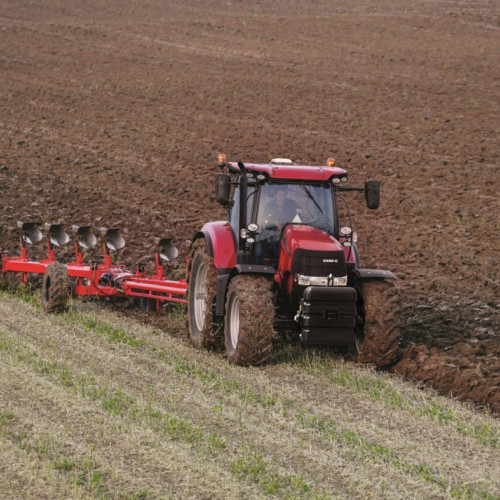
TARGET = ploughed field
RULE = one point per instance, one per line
(113, 113)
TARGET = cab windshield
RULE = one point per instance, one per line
(298, 203)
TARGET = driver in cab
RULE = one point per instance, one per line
(278, 212)
(281, 210)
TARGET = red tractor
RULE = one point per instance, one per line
(283, 262)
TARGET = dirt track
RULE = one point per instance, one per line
(113, 115)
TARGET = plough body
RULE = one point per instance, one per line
(102, 279)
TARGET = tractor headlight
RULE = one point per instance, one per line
(312, 280)
(340, 281)
(320, 280)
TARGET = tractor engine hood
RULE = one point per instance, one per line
(309, 238)
(308, 252)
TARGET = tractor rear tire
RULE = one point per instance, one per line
(249, 320)
(380, 309)
(201, 292)
(55, 288)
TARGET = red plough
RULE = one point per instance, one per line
(102, 279)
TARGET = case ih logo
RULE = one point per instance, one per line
(335, 261)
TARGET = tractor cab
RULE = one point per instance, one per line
(264, 199)
(283, 204)
(274, 205)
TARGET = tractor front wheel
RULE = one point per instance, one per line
(55, 288)
(380, 310)
(249, 320)
(201, 292)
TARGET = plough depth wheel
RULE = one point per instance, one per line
(55, 288)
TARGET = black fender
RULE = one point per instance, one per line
(253, 269)
(357, 276)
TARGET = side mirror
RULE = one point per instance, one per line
(222, 186)
(372, 194)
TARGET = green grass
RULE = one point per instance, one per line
(6, 417)
(64, 464)
(374, 451)
(116, 401)
(232, 392)
(115, 335)
(380, 388)
(252, 467)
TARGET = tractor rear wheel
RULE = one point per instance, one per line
(201, 292)
(380, 310)
(55, 288)
(249, 320)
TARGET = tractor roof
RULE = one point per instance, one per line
(292, 172)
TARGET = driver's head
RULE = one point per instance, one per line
(280, 196)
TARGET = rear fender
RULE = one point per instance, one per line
(221, 242)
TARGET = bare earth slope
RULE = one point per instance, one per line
(112, 114)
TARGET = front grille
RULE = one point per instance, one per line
(314, 263)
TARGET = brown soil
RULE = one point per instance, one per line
(114, 114)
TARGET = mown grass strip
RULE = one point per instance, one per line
(379, 389)
(339, 373)
(117, 402)
(373, 451)
(253, 467)
(369, 450)
(247, 395)
(83, 473)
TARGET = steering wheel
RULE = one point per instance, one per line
(270, 231)
(321, 221)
